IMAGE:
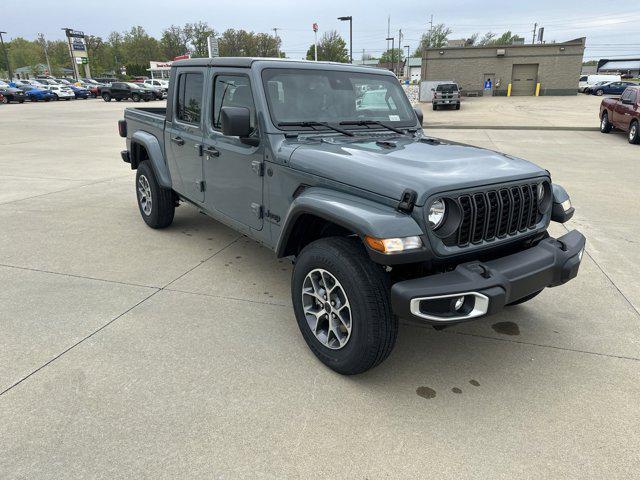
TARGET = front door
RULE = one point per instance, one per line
(488, 84)
(624, 109)
(183, 135)
(233, 166)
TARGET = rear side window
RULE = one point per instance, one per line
(584, 79)
(189, 97)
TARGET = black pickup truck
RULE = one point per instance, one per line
(124, 90)
(380, 220)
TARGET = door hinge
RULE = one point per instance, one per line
(258, 167)
(256, 209)
(198, 147)
(202, 185)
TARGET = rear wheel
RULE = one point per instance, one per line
(5, 100)
(634, 132)
(135, 97)
(599, 92)
(605, 125)
(341, 302)
(106, 97)
(156, 203)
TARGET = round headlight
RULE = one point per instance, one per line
(436, 213)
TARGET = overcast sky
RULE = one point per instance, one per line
(609, 31)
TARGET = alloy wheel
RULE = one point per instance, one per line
(144, 194)
(326, 309)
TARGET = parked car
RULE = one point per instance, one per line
(158, 94)
(611, 88)
(382, 221)
(446, 95)
(158, 83)
(79, 92)
(11, 94)
(61, 92)
(587, 81)
(126, 90)
(35, 94)
(622, 113)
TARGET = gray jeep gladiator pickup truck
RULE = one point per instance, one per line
(381, 221)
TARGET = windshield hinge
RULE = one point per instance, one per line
(258, 167)
(407, 201)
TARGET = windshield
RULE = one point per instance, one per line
(297, 95)
(447, 87)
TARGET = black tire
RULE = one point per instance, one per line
(118, 99)
(5, 100)
(135, 97)
(374, 328)
(457, 106)
(524, 299)
(605, 124)
(106, 97)
(634, 133)
(435, 107)
(599, 92)
(160, 214)
(20, 101)
(57, 98)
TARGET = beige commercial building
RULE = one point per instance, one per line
(491, 70)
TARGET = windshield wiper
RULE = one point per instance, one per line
(366, 123)
(316, 124)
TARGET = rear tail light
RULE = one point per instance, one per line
(122, 128)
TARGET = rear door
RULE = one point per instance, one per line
(183, 135)
(232, 166)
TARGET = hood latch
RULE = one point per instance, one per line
(407, 201)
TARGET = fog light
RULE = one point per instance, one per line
(458, 303)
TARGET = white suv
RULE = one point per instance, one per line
(61, 92)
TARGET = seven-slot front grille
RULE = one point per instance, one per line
(495, 214)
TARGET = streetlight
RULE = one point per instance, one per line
(6, 56)
(344, 19)
(393, 53)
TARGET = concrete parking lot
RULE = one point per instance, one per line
(132, 353)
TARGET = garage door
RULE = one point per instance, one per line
(523, 79)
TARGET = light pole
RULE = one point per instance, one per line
(6, 56)
(407, 62)
(344, 19)
(393, 53)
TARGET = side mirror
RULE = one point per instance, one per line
(236, 121)
(419, 115)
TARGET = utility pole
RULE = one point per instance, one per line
(407, 60)
(6, 56)
(535, 27)
(46, 53)
(275, 34)
(393, 47)
(388, 30)
(363, 56)
(315, 42)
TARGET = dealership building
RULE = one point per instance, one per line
(543, 68)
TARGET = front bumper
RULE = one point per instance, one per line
(488, 286)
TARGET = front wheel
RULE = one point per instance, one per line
(599, 93)
(341, 302)
(605, 125)
(156, 203)
(135, 97)
(634, 133)
(457, 106)
(106, 97)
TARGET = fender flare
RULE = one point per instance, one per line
(359, 215)
(156, 157)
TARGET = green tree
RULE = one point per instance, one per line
(435, 38)
(392, 55)
(196, 35)
(331, 47)
(139, 47)
(173, 42)
(507, 38)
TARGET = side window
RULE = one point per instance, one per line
(232, 91)
(626, 95)
(584, 78)
(189, 97)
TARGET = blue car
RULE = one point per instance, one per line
(80, 92)
(35, 94)
(611, 88)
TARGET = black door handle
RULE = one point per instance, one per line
(211, 152)
(177, 140)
